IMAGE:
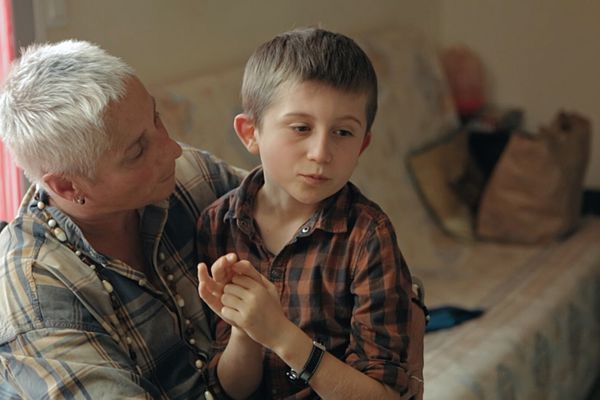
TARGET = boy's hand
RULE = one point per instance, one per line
(251, 303)
(210, 288)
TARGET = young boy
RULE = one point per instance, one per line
(332, 308)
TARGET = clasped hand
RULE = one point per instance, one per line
(241, 296)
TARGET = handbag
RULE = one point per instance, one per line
(535, 190)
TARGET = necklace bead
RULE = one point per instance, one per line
(107, 286)
(59, 234)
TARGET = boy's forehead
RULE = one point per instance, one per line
(313, 87)
(317, 99)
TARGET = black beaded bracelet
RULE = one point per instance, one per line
(316, 354)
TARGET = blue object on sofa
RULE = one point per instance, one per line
(448, 316)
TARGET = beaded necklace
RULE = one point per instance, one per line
(99, 269)
(116, 304)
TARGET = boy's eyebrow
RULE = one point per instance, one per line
(300, 114)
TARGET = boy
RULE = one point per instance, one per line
(332, 306)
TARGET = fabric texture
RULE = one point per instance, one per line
(538, 338)
(60, 337)
(341, 279)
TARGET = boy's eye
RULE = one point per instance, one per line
(343, 132)
(300, 128)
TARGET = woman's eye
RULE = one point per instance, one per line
(138, 153)
(139, 150)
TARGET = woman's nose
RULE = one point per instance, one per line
(171, 148)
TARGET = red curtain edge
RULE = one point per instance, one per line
(11, 175)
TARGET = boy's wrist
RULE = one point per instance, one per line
(239, 335)
(292, 345)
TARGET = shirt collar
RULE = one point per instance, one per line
(331, 216)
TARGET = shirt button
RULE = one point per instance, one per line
(275, 274)
(142, 282)
(208, 395)
(199, 364)
(180, 301)
(170, 277)
(161, 256)
(129, 340)
(192, 341)
(188, 322)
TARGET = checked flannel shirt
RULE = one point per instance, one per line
(341, 279)
(60, 337)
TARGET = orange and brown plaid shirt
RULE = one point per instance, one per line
(341, 279)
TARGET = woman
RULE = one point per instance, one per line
(98, 269)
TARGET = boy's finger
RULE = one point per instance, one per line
(220, 268)
(244, 267)
(203, 272)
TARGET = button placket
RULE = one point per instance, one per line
(169, 278)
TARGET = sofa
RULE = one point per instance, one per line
(539, 335)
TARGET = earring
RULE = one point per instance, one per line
(79, 200)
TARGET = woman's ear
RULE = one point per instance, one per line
(60, 185)
(245, 128)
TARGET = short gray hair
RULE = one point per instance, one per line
(53, 105)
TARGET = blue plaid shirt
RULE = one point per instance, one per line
(60, 335)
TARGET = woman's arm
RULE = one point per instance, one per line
(68, 363)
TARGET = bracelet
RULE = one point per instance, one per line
(316, 354)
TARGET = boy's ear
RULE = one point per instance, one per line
(61, 186)
(366, 142)
(246, 130)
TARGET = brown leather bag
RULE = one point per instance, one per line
(534, 194)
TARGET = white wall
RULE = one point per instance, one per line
(542, 55)
(167, 40)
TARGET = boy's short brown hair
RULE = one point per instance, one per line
(308, 54)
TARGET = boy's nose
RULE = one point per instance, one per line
(320, 150)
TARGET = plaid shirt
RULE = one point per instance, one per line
(341, 279)
(60, 337)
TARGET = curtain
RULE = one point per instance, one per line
(10, 183)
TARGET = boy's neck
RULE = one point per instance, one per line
(277, 221)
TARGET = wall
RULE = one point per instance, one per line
(169, 40)
(541, 55)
